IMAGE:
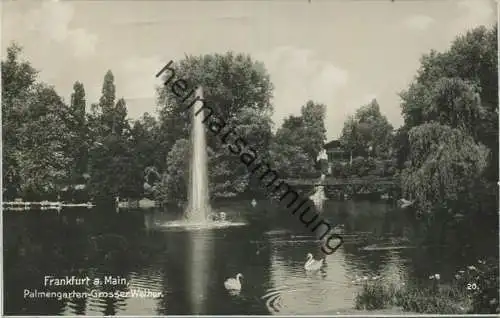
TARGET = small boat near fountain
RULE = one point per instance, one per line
(382, 247)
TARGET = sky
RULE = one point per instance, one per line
(342, 53)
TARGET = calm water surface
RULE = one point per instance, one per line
(189, 266)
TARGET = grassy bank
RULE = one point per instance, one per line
(474, 290)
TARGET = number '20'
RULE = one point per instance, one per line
(472, 286)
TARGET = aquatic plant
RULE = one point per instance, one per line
(482, 282)
(375, 295)
(434, 298)
(474, 291)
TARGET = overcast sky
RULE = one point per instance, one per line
(341, 53)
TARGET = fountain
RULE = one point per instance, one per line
(198, 214)
(198, 206)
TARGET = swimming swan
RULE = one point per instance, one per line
(312, 264)
(233, 284)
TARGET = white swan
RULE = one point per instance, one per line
(403, 203)
(233, 284)
(312, 264)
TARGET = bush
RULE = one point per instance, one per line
(429, 300)
(432, 300)
(474, 291)
(482, 281)
(361, 167)
(375, 296)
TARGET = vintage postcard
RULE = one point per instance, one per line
(292, 157)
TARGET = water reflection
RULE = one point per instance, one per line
(201, 248)
(301, 292)
(189, 267)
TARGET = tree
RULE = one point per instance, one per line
(239, 90)
(42, 156)
(18, 79)
(368, 131)
(110, 155)
(449, 101)
(146, 142)
(459, 87)
(231, 84)
(306, 133)
(351, 138)
(401, 146)
(35, 131)
(146, 149)
(175, 180)
(444, 172)
(314, 131)
(290, 160)
(78, 124)
(107, 102)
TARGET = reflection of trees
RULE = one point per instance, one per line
(448, 246)
(31, 251)
(114, 249)
(175, 301)
(370, 223)
(365, 261)
(37, 244)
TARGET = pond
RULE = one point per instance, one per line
(183, 270)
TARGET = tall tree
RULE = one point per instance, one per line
(368, 130)
(459, 87)
(239, 90)
(107, 102)
(231, 82)
(43, 159)
(445, 168)
(78, 124)
(146, 147)
(313, 117)
(35, 131)
(110, 151)
(18, 79)
(307, 131)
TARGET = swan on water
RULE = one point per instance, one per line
(233, 284)
(312, 264)
(403, 203)
(254, 203)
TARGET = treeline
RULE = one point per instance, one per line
(51, 148)
(448, 145)
(446, 151)
(76, 151)
(367, 140)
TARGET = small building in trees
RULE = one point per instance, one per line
(335, 154)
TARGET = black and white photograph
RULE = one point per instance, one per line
(251, 158)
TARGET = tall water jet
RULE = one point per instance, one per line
(198, 205)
